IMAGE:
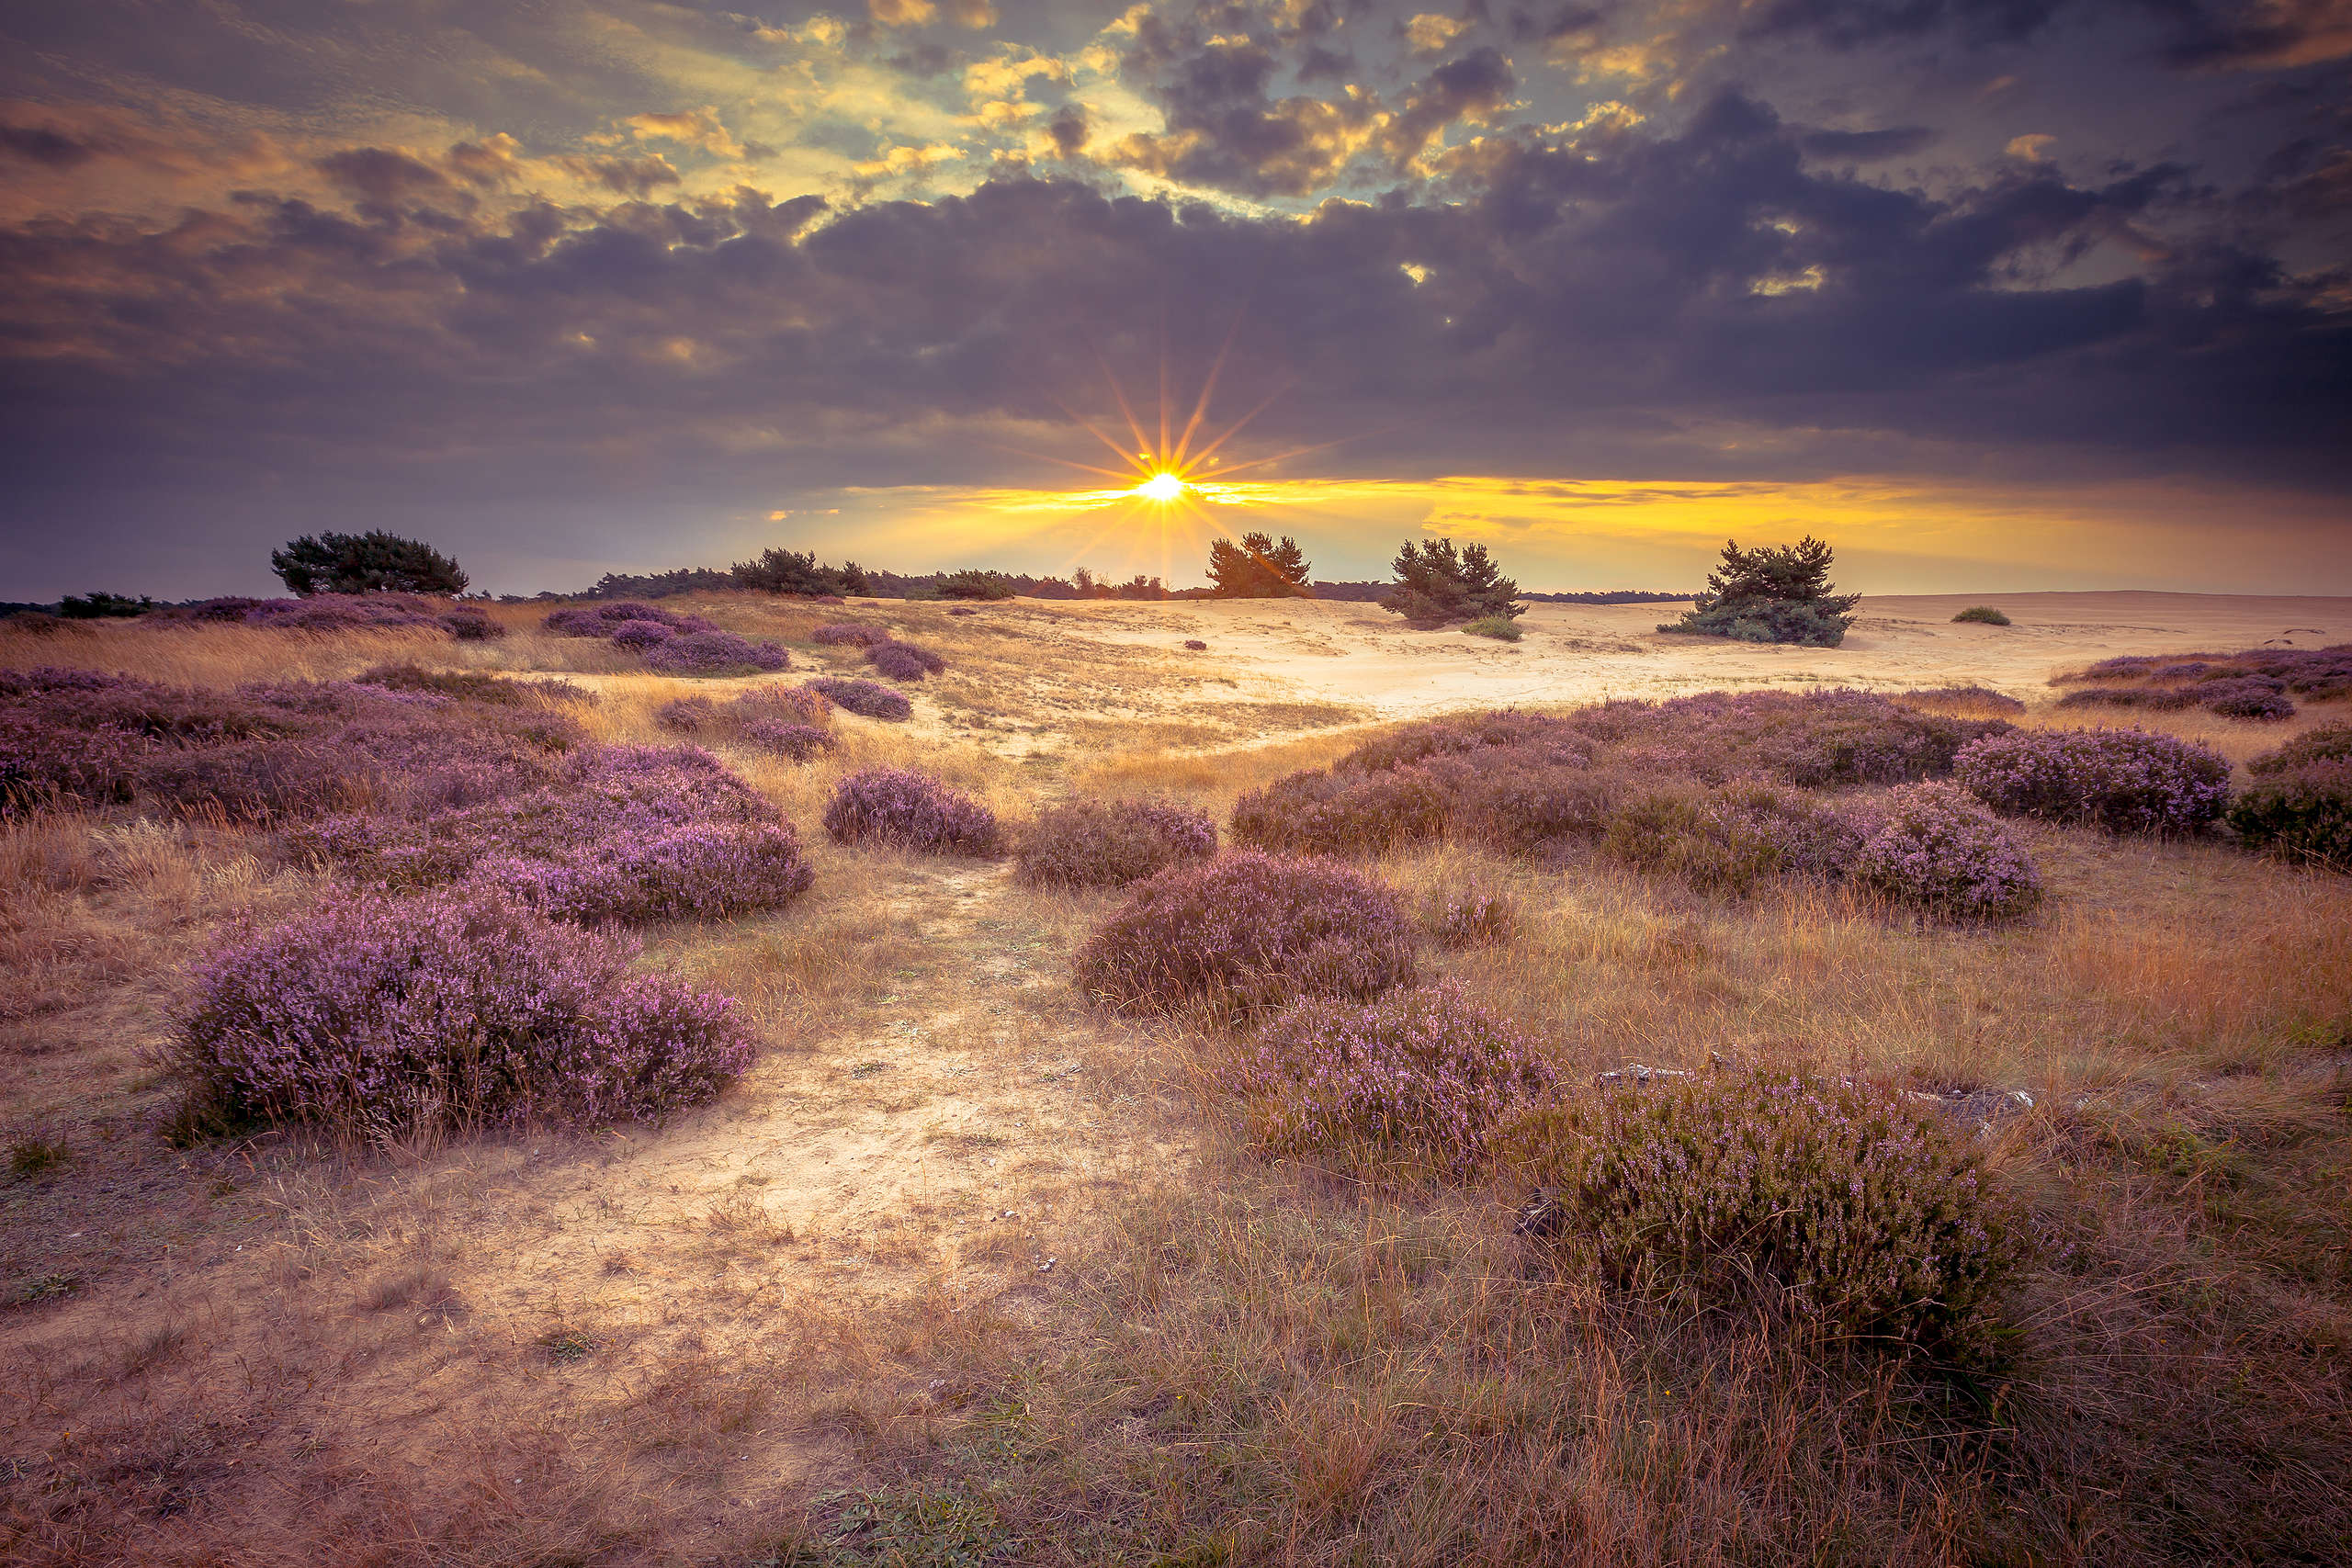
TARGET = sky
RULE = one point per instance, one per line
(1992, 294)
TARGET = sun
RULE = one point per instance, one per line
(1162, 487)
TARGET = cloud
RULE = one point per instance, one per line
(1430, 33)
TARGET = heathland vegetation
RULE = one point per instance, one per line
(618, 1083)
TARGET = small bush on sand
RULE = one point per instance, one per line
(1414, 1083)
(867, 699)
(2299, 803)
(380, 1019)
(1344, 814)
(2245, 697)
(1774, 593)
(1195, 645)
(1109, 844)
(1932, 845)
(2126, 781)
(1500, 627)
(904, 660)
(1982, 614)
(1869, 1224)
(910, 811)
(1248, 932)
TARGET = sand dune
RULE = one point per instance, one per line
(1356, 653)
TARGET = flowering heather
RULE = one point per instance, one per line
(2127, 780)
(599, 620)
(379, 1018)
(1109, 844)
(2299, 803)
(468, 686)
(1467, 917)
(867, 699)
(797, 742)
(1554, 741)
(714, 653)
(1932, 845)
(638, 635)
(686, 716)
(1731, 839)
(346, 611)
(1984, 697)
(904, 660)
(2254, 683)
(472, 625)
(1248, 932)
(1355, 813)
(1417, 1080)
(2246, 696)
(1514, 803)
(912, 811)
(622, 833)
(1869, 1222)
(845, 634)
(45, 764)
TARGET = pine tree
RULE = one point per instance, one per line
(1258, 568)
(1437, 584)
(795, 571)
(374, 562)
(1773, 593)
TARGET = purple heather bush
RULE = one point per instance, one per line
(2245, 697)
(867, 699)
(1248, 932)
(1932, 845)
(638, 635)
(795, 742)
(1868, 1223)
(378, 1019)
(1109, 843)
(714, 653)
(621, 833)
(2126, 781)
(1984, 698)
(1734, 839)
(1415, 1083)
(2254, 683)
(346, 611)
(1469, 918)
(847, 634)
(2298, 806)
(910, 811)
(1195, 645)
(904, 660)
(599, 620)
(472, 625)
(1344, 814)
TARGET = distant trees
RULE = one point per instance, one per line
(1258, 568)
(974, 584)
(100, 605)
(793, 571)
(1437, 584)
(374, 562)
(1773, 593)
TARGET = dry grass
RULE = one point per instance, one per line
(670, 1344)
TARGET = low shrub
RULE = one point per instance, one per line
(1467, 917)
(472, 625)
(904, 660)
(1866, 1222)
(867, 699)
(1805, 624)
(797, 742)
(847, 634)
(1247, 932)
(1415, 1082)
(1352, 813)
(622, 833)
(713, 652)
(2298, 805)
(378, 1019)
(1932, 845)
(687, 716)
(1502, 628)
(465, 685)
(599, 620)
(1979, 699)
(1506, 800)
(1196, 645)
(2245, 697)
(1109, 844)
(1731, 841)
(1982, 614)
(910, 810)
(2126, 781)
(46, 764)
(346, 611)
(640, 636)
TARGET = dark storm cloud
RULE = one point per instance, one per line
(1868, 146)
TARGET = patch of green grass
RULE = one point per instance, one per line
(30, 1156)
(1985, 614)
(564, 1346)
(904, 1526)
(1502, 628)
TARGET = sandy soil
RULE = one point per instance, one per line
(1356, 653)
